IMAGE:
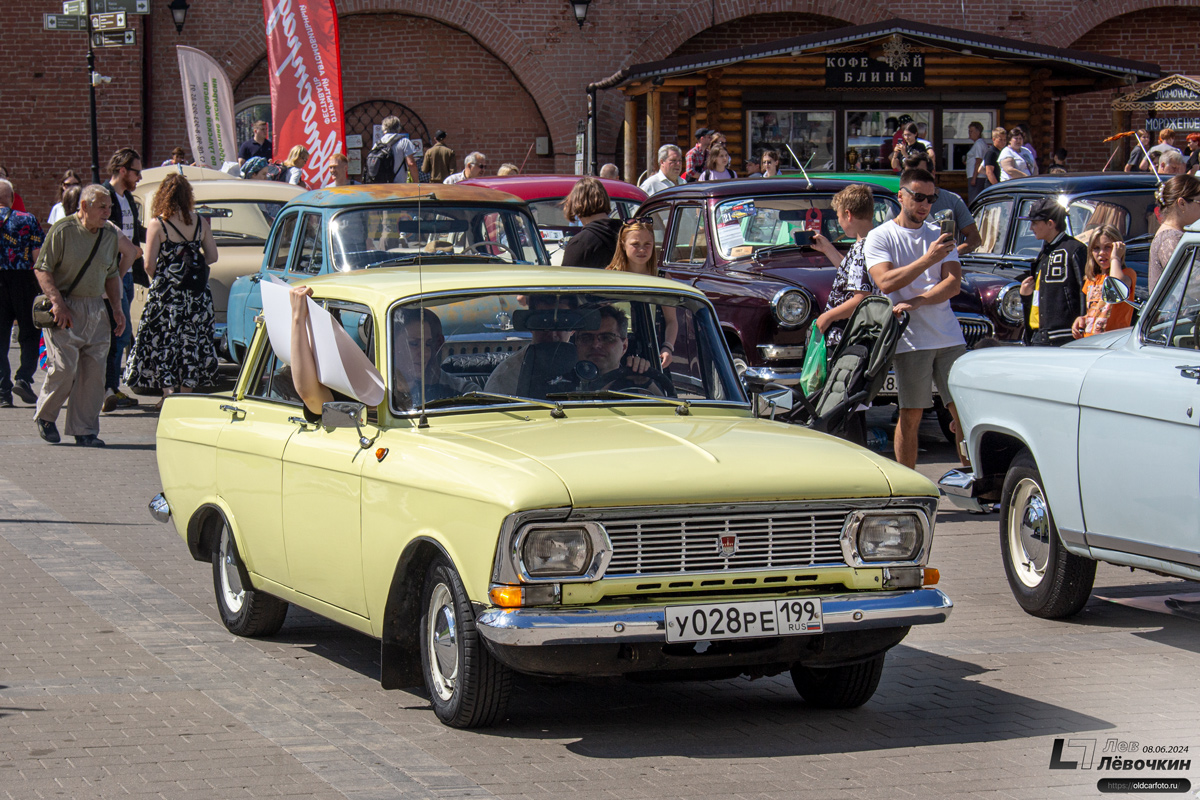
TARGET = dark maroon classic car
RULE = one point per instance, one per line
(735, 241)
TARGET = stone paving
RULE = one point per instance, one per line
(118, 680)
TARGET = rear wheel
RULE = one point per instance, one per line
(1046, 580)
(468, 687)
(244, 610)
(838, 687)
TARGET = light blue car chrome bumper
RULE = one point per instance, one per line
(845, 612)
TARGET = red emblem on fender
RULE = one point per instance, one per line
(727, 544)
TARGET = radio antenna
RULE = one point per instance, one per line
(799, 163)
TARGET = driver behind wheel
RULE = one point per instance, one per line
(606, 348)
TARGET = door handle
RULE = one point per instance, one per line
(1189, 371)
(231, 409)
(303, 423)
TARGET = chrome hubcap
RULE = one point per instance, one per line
(1029, 533)
(442, 642)
(231, 581)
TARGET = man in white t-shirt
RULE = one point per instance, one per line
(670, 163)
(917, 267)
(976, 177)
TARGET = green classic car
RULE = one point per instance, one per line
(565, 478)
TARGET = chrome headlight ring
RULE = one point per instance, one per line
(1008, 304)
(853, 525)
(510, 567)
(791, 308)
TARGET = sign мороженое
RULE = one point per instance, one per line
(860, 71)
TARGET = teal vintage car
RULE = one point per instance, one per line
(538, 493)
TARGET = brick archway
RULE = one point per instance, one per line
(1088, 16)
(490, 31)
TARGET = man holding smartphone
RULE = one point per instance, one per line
(917, 267)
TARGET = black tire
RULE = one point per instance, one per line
(740, 364)
(244, 610)
(1046, 580)
(838, 687)
(468, 687)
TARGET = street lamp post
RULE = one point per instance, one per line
(92, 78)
(179, 9)
(580, 7)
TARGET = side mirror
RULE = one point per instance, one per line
(1115, 291)
(767, 389)
(345, 414)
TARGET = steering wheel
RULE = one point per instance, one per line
(481, 245)
(624, 379)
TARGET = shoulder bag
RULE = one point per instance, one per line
(43, 309)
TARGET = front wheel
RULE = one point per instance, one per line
(1046, 580)
(847, 686)
(244, 610)
(468, 687)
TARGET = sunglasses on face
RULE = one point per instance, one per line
(921, 197)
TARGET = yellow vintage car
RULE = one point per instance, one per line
(565, 478)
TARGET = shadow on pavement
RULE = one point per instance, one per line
(923, 699)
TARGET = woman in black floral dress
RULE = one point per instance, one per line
(174, 349)
(855, 207)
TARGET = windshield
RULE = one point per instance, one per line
(391, 236)
(748, 223)
(240, 221)
(567, 347)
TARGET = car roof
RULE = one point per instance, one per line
(1076, 182)
(537, 187)
(756, 186)
(362, 194)
(379, 287)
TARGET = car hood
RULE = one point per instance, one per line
(1110, 340)
(620, 457)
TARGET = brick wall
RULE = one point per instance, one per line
(1164, 36)
(492, 72)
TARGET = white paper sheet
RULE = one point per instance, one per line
(341, 365)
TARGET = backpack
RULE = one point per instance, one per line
(381, 164)
(276, 172)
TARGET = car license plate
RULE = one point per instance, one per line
(889, 384)
(747, 620)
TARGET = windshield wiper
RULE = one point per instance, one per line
(682, 407)
(483, 398)
(422, 257)
(775, 248)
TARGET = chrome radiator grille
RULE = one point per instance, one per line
(975, 327)
(764, 540)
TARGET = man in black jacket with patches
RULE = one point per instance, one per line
(125, 170)
(1052, 293)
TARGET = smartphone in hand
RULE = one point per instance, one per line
(948, 227)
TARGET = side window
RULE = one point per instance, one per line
(689, 244)
(274, 379)
(992, 220)
(1025, 243)
(1173, 321)
(659, 219)
(356, 320)
(282, 246)
(312, 254)
(1084, 215)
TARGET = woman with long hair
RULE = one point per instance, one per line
(636, 253)
(295, 162)
(716, 168)
(1106, 257)
(588, 204)
(69, 180)
(174, 349)
(1179, 204)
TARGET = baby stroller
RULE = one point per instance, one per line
(857, 369)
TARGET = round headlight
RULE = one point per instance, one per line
(890, 537)
(1008, 304)
(791, 307)
(549, 552)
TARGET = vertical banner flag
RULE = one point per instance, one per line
(208, 107)
(305, 71)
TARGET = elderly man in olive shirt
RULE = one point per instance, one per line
(77, 348)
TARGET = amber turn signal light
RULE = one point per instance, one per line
(507, 596)
(932, 576)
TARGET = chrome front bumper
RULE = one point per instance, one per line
(960, 488)
(619, 625)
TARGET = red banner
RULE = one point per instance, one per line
(304, 62)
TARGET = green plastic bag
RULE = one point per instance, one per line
(812, 377)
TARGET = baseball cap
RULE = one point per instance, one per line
(1047, 208)
(702, 132)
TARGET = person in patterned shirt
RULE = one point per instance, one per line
(855, 207)
(20, 242)
(693, 163)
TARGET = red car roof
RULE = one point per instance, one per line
(541, 187)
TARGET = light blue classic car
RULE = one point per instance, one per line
(1092, 450)
(357, 227)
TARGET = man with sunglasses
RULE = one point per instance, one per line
(918, 268)
(125, 171)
